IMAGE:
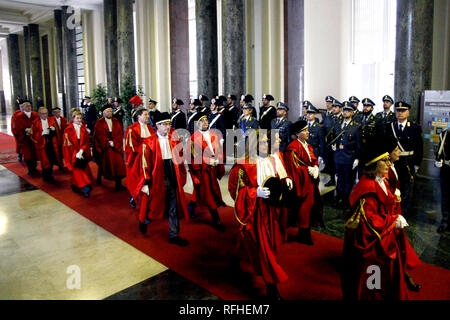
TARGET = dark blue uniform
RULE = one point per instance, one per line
(316, 138)
(231, 114)
(347, 150)
(178, 120)
(251, 123)
(368, 131)
(89, 115)
(217, 121)
(190, 123)
(329, 120)
(283, 125)
(411, 146)
(383, 121)
(266, 115)
(444, 157)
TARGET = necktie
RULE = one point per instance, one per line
(400, 128)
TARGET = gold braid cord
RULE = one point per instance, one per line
(354, 220)
(68, 143)
(297, 161)
(239, 185)
(130, 141)
(144, 161)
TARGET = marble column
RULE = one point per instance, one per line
(70, 61)
(36, 66)
(57, 14)
(413, 55)
(294, 65)
(26, 39)
(233, 46)
(207, 67)
(179, 49)
(110, 22)
(125, 41)
(15, 70)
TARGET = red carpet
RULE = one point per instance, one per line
(313, 271)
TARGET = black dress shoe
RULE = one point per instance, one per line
(132, 203)
(143, 227)
(304, 236)
(410, 284)
(179, 241)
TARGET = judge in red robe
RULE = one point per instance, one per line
(108, 146)
(23, 123)
(77, 154)
(160, 175)
(409, 257)
(206, 169)
(373, 267)
(134, 136)
(258, 218)
(44, 138)
(60, 125)
(14, 130)
(302, 167)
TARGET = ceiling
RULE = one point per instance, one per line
(14, 14)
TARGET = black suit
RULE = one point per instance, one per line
(266, 115)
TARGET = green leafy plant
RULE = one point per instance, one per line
(99, 97)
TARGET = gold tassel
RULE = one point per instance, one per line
(239, 185)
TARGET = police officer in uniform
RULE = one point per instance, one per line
(267, 112)
(216, 120)
(409, 138)
(358, 114)
(443, 162)
(89, 113)
(346, 147)
(316, 137)
(247, 121)
(177, 117)
(118, 111)
(327, 125)
(231, 112)
(330, 134)
(192, 113)
(282, 124)
(367, 121)
(385, 117)
(305, 106)
(154, 113)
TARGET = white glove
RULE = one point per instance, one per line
(28, 130)
(289, 183)
(355, 164)
(438, 164)
(263, 192)
(111, 143)
(320, 160)
(315, 172)
(79, 154)
(52, 128)
(89, 131)
(333, 147)
(397, 192)
(416, 168)
(401, 222)
(311, 171)
(145, 190)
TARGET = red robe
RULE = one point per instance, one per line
(47, 157)
(60, 137)
(310, 211)
(71, 146)
(15, 132)
(260, 233)
(204, 176)
(148, 166)
(371, 239)
(132, 144)
(107, 157)
(22, 122)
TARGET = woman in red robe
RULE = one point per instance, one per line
(206, 169)
(259, 229)
(60, 126)
(108, 146)
(373, 267)
(302, 166)
(77, 154)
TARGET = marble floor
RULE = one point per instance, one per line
(46, 247)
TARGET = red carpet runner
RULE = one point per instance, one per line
(313, 271)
